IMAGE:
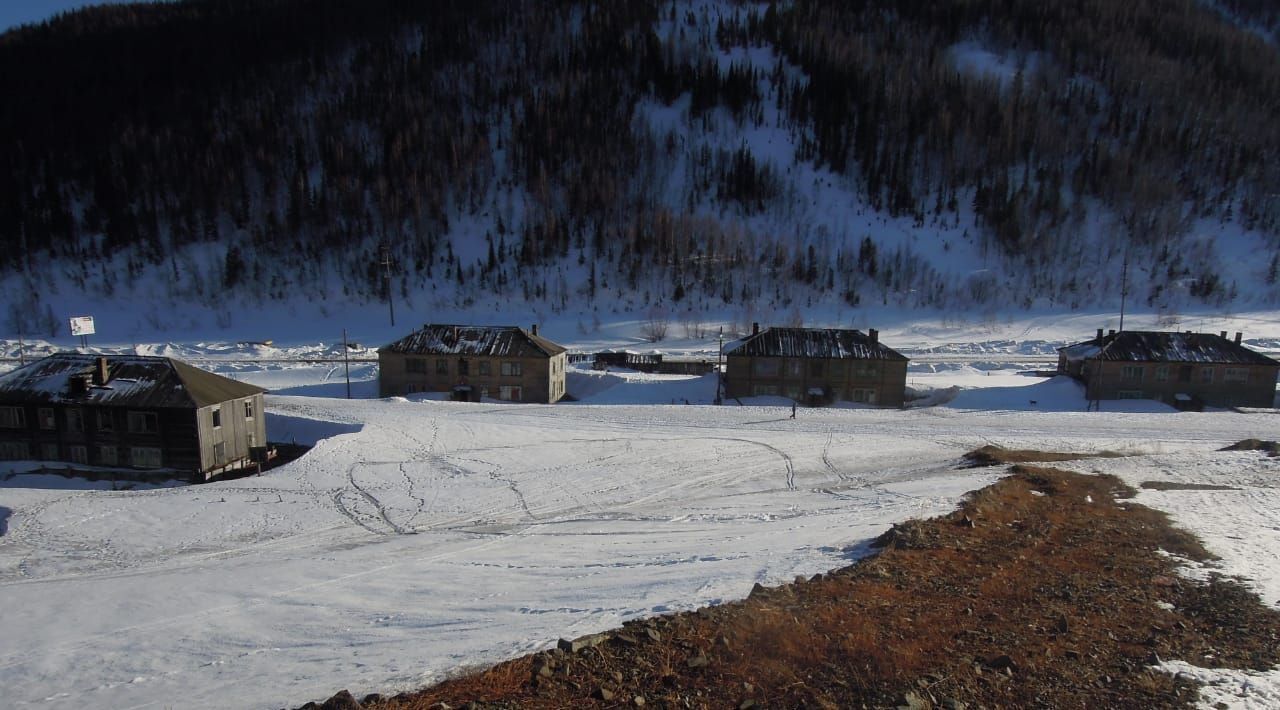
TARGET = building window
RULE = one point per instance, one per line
(415, 366)
(1129, 394)
(512, 369)
(143, 423)
(865, 368)
(485, 368)
(509, 393)
(13, 450)
(865, 396)
(49, 451)
(248, 409)
(106, 420)
(47, 420)
(464, 367)
(1206, 375)
(1131, 373)
(795, 367)
(484, 393)
(1162, 373)
(107, 456)
(216, 412)
(75, 420)
(767, 367)
(758, 390)
(1236, 375)
(145, 456)
(78, 454)
(442, 367)
(220, 452)
(12, 418)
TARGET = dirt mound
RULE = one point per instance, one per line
(1272, 448)
(1046, 589)
(991, 455)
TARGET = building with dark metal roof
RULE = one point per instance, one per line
(471, 363)
(816, 366)
(1185, 369)
(129, 411)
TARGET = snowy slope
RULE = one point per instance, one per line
(418, 537)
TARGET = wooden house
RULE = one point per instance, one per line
(1186, 370)
(816, 366)
(127, 411)
(471, 363)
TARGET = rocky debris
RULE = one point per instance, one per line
(342, 700)
(588, 641)
(1045, 601)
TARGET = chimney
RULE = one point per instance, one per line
(534, 329)
(1111, 332)
(874, 335)
(1223, 335)
(101, 374)
(755, 328)
(1099, 336)
(1238, 334)
(78, 385)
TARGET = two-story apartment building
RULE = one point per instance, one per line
(472, 363)
(1186, 370)
(127, 411)
(816, 366)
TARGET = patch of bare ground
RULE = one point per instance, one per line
(1176, 486)
(992, 455)
(1271, 447)
(1046, 589)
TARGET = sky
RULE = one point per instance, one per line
(22, 12)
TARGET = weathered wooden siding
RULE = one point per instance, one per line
(1106, 379)
(795, 377)
(542, 379)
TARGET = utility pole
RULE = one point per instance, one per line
(346, 361)
(719, 370)
(384, 252)
(1124, 286)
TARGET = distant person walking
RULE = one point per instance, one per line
(793, 410)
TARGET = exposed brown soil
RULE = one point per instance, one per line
(1046, 589)
(1176, 486)
(1271, 447)
(991, 455)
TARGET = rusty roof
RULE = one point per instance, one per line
(821, 343)
(1159, 346)
(483, 340)
(132, 381)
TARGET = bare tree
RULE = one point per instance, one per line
(654, 327)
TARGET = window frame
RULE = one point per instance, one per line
(137, 454)
(47, 419)
(13, 418)
(139, 419)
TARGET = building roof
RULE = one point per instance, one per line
(486, 340)
(132, 381)
(823, 343)
(1154, 346)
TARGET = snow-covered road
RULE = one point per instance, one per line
(418, 537)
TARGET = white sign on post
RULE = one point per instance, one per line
(82, 325)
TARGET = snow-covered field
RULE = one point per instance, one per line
(420, 537)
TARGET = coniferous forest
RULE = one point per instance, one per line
(645, 154)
